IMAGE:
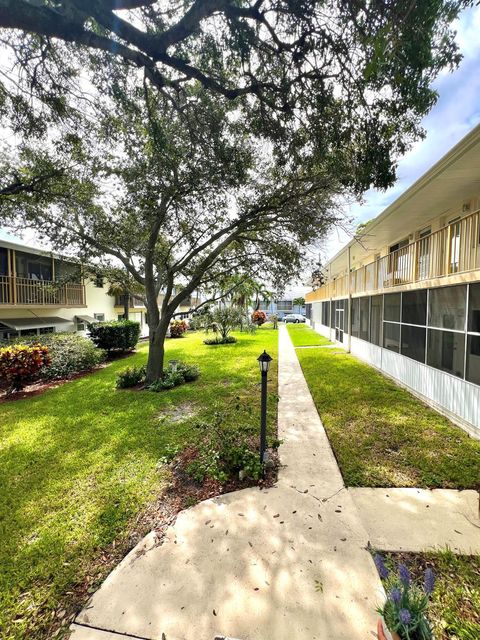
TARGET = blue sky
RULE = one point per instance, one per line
(456, 112)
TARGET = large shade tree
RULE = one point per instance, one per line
(191, 140)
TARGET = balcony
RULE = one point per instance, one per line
(455, 249)
(134, 302)
(20, 292)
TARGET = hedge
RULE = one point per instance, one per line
(119, 335)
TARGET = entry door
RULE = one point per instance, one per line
(339, 323)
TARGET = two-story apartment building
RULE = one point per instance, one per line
(405, 295)
(43, 292)
(281, 308)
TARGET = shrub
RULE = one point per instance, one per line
(178, 328)
(130, 377)
(174, 376)
(222, 321)
(190, 372)
(119, 335)
(69, 354)
(259, 317)
(21, 364)
(224, 450)
(220, 340)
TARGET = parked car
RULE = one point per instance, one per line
(294, 317)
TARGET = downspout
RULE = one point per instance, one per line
(349, 301)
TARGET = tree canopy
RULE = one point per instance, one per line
(349, 78)
(194, 140)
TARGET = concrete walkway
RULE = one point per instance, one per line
(420, 519)
(282, 564)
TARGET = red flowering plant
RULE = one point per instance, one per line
(21, 364)
(178, 328)
(259, 317)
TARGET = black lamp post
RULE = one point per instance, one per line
(264, 363)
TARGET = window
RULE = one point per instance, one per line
(355, 311)
(392, 307)
(413, 342)
(80, 326)
(391, 336)
(473, 359)
(43, 330)
(3, 262)
(376, 313)
(474, 308)
(446, 351)
(326, 314)
(33, 267)
(447, 308)
(284, 305)
(99, 316)
(414, 307)
(364, 318)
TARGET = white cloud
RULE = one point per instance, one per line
(455, 114)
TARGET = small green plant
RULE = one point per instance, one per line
(170, 453)
(222, 321)
(130, 377)
(190, 372)
(223, 452)
(407, 601)
(220, 340)
(175, 375)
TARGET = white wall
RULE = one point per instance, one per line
(457, 399)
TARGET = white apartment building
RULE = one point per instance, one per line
(41, 292)
(405, 296)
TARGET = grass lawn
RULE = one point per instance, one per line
(303, 336)
(382, 436)
(454, 610)
(80, 461)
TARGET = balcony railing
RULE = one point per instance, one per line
(452, 250)
(134, 302)
(28, 292)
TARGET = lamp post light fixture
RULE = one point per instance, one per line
(264, 364)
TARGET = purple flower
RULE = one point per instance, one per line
(405, 616)
(395, 595)
(381, 568)
(404, 574)
(429, 583)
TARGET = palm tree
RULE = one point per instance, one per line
(298, 302)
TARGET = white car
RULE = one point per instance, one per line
(294, 317)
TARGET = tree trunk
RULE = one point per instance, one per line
(156, 353)
(126, 306)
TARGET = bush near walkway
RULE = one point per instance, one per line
(81, 461)
(382, 436)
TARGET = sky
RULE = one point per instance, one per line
(456, 112)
